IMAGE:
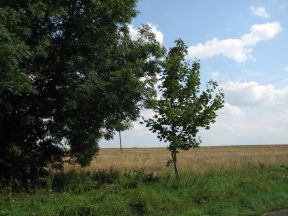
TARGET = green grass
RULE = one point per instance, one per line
(249, 191)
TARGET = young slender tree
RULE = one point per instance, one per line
(183, 107)
(120, 127)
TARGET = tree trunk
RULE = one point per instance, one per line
(119, 132)
(174, 159)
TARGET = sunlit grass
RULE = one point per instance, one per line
(198, 159)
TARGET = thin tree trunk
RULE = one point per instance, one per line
(174, 159)
(120, 140)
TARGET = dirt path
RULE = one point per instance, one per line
(278, 213)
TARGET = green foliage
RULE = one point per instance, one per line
(140, 205)
(68, 72)
(183, 108)
(110, 177)
(245, 191)
(77, 211)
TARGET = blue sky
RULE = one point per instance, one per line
(242, 45)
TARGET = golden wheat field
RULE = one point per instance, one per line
(199, 159)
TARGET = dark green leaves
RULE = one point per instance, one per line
(183, 108)
(69, 75)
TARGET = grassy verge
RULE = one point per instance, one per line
(246, 191)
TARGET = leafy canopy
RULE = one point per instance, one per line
(183, 107)
(68, 71)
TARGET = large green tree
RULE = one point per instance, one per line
(68, 70)
(183, 107)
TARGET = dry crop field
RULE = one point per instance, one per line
(199, 159)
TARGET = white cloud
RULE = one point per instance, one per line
(233, 110)
(260, 32)
(254, 94)
(133, 32)
(253, 114)
(237, 49)
(230, 48)
(147, 113)
(259, 11)
(158, 34)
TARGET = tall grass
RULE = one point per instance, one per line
(249, 191)
(235, 181)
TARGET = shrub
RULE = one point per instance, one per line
(139, 205)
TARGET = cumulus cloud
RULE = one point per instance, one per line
(133, 32)
(238, 49)
(260, 32)
(158, 34)
(254, 94)
(233, 110)
(259, 11)
(253, 114)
